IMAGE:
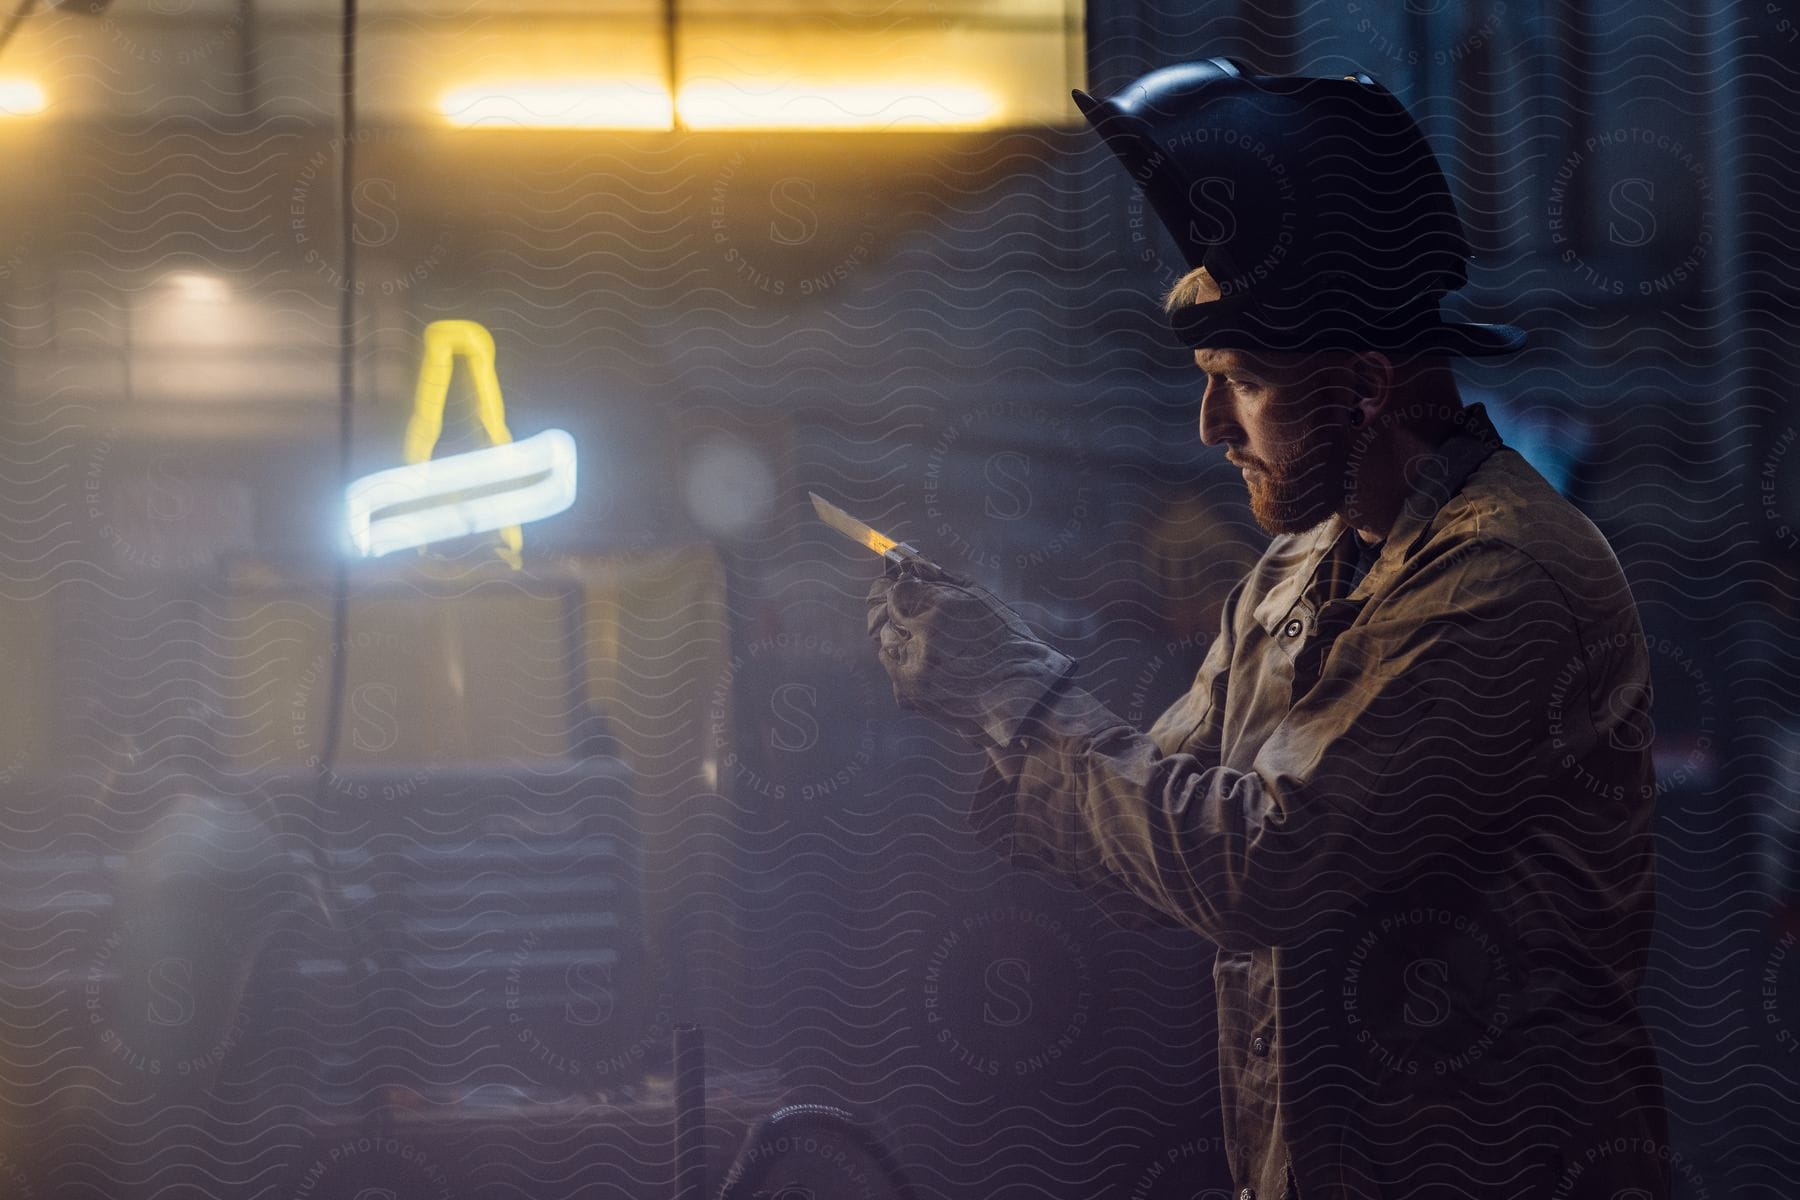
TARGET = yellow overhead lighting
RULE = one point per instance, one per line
(914, 104)
(199, 286)
(645, 104)
(565, 104)
(21, 98)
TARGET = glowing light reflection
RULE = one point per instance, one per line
(572, 104)
(21, 98)
(645, 104)
(431, 501)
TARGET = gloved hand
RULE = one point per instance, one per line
(956, 653)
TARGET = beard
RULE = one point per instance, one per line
(1294, 493)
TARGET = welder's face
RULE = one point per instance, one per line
(1280, 418)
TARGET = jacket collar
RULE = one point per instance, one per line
(1438, 478)
(1310, 550)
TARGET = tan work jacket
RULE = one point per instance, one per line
(1413, 814)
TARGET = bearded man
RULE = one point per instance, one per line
(1408, 796)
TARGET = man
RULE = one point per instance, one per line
(1409, 793)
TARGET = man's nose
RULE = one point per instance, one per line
(1215, 414)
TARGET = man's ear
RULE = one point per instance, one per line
(1371, 379)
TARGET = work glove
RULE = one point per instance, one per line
(957, 654)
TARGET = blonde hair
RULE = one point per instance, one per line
(1196, 287)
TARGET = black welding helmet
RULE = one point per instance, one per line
(1315, 205)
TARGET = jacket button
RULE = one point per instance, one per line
(1292, 628)
(1260, 1047)
(1247, 1194)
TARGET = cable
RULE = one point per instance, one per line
(340, 581)
(340, 591)
(340, 585)
(767, 1143)
(346, 373)
(13, 22)
(672, 60)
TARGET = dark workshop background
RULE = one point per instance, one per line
(326, 878)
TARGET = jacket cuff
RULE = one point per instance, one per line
(1007, 704)
(1027, 710)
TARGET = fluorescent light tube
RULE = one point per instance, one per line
(444, 498)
